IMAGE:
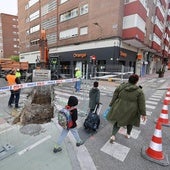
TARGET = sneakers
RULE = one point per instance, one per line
(79, 143)
(127, 136)
(55, 150)
(17, 107)
(112, 139)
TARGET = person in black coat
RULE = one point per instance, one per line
(72, 102)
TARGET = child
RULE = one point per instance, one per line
(72, 102)
(94, 96)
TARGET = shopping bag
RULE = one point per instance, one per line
(105, 113)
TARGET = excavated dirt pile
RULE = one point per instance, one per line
(39, 110)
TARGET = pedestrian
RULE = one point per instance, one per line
(127, 106)
(78, 76)
(15, 93)
(94, 96)
(72, 103)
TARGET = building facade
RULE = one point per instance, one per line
(96, 36)
(9, 40)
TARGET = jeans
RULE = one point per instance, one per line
(64, 133)
(15, 95)
(116, 129)
(77, 85)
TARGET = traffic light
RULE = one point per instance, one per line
(93, 59)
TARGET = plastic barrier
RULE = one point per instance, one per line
(36, 84)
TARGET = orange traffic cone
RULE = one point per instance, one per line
(154, 152)
(167, 97)
(163, 118)
(155, 147)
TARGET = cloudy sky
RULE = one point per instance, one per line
(8, 7)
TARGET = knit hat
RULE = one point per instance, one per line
(72, 101)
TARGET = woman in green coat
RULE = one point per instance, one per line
(127, 106)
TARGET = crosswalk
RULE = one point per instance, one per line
(120, 151)
(116, 150)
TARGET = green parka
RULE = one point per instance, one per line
(127, 105)
(94, 97)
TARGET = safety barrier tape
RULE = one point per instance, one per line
(36, 84)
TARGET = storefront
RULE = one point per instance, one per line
(94, 62)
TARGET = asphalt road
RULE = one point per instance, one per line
(35, 151)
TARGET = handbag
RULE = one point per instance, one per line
(105, 113)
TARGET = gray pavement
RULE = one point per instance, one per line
(35, 151)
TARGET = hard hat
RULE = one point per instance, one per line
(76, 68)
(17, 69)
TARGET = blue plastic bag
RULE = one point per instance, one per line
(105, 113)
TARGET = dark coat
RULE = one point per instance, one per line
(94, 97)
(127, 105)
(72, 102)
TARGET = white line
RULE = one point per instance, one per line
(116, 150)
(151, 102)
(156, 96)
(148, 113)
(154, 99)
(34, 145)
(150, 107)
(6, 130)
(83, 156)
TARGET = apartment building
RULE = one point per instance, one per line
(9, 41)
(96, 34)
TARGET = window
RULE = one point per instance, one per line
(84, 9)
(34, 15)
(34, 42)
(68, 33)
(69, 15)
(34, 29)
(52, 38)
(83, 30)
(14, 26)
(52, 5)
(32, 2)
(52, 22)
(62, 1)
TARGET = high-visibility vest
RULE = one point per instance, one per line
(11, 81)
(18, 74)
(78, 74)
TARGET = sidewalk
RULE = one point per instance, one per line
(142, 80)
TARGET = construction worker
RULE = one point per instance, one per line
(78, 76)
(15, 93)
(17, 73)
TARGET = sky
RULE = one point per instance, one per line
(8, 7)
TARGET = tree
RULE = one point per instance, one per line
(15, 58)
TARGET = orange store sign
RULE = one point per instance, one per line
(79, 55)
(123, 54)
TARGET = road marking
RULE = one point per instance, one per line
(34, 145)
(115, 150)
(6, 130)
(82, 154)
(151, 102)
(157, 96)
(134, 134)
(148, 113)
(154, 99)
(150, 107)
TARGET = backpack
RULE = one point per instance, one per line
(64, 118)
